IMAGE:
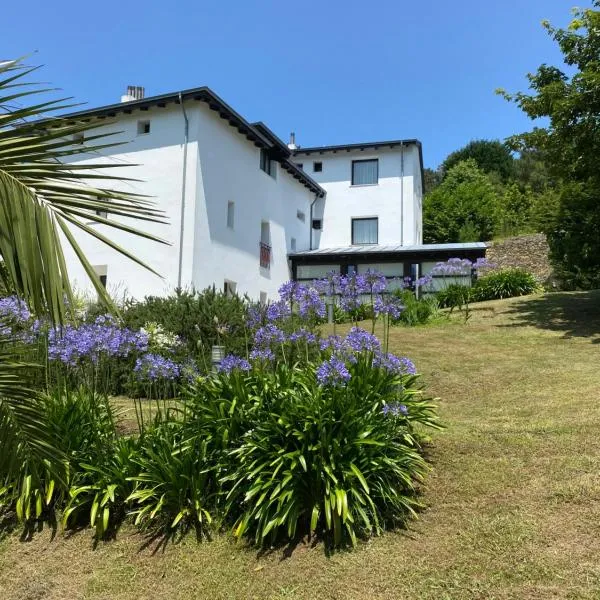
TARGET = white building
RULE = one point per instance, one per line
(246, 211)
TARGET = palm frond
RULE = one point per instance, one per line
(41, 195)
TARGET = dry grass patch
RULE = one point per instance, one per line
(513, 502)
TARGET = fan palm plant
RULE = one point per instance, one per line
(44, 199)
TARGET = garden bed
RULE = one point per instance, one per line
(512, 503)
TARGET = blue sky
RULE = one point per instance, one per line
(334, 71)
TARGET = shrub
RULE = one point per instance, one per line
(417, 311)
(455, 295)
(506, 283)
(100, 490)
(341, 461)
(173, 481)
(199, 319)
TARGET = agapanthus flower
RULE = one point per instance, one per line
(103, 338)
(278, 311)
(395, 409)
(360, 340)
(373, 282)
(267, 335)
(394, 364)
(423, 281)
(151, 367)
(310, 302)
(262, 354)
(15, 310)
(333, 372)
(256, 316)
(390, 305)
(302, 334)
(329, 285)
(234, 363)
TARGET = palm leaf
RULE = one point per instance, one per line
(41, 196)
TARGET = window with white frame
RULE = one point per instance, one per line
(365, 172)
(365, 230)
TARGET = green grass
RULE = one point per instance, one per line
(513, 501)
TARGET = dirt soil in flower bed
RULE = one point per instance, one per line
(513, 502)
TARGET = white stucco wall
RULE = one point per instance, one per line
(229, 172)
(158, 160)
(395, 200)
(222, 166)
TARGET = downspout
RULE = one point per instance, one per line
(183, 182)
(401, 194)
(310, 245)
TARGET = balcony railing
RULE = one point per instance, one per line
(265, 255)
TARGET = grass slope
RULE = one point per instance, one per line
(513, 501)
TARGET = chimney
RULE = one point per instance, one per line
(134, 92)
(292, 144)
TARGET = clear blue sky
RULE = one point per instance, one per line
(334, 71)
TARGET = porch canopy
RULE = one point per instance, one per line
(392, 261)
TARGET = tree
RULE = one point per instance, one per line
(491, 156)
(463, 208)
(570, 143)
(431, 179)
(42, 198)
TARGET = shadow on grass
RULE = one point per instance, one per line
(576, 314)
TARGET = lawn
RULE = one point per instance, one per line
(512, 504)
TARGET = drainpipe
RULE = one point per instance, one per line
(183, 182)
(401, 194)
(310, 245)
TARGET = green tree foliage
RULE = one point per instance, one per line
(463, 208)
(570, 144)
(431, 179)
(491, 156)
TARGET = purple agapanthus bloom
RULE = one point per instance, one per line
(333, 372)
(373, 282)
(278, 311)
(390, 305)
(394, 364)
(395, 409)
(256, 316)
(262, 354)
(302, 334)
(14, 310)
(234, 363)
(151, 367)
(267, 335)
(310, 302)
(423, 281)
(360, 340)
(92, 341)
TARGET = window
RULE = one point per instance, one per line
(316, 224)
(229, 288)
(293, 244)
(364, 231)
(300, 165)
(100, 212)
(317, 167)
(266, 163)
(230, 214)
(365, 172)
(143, 127)
(301, 216)
(101, 271)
